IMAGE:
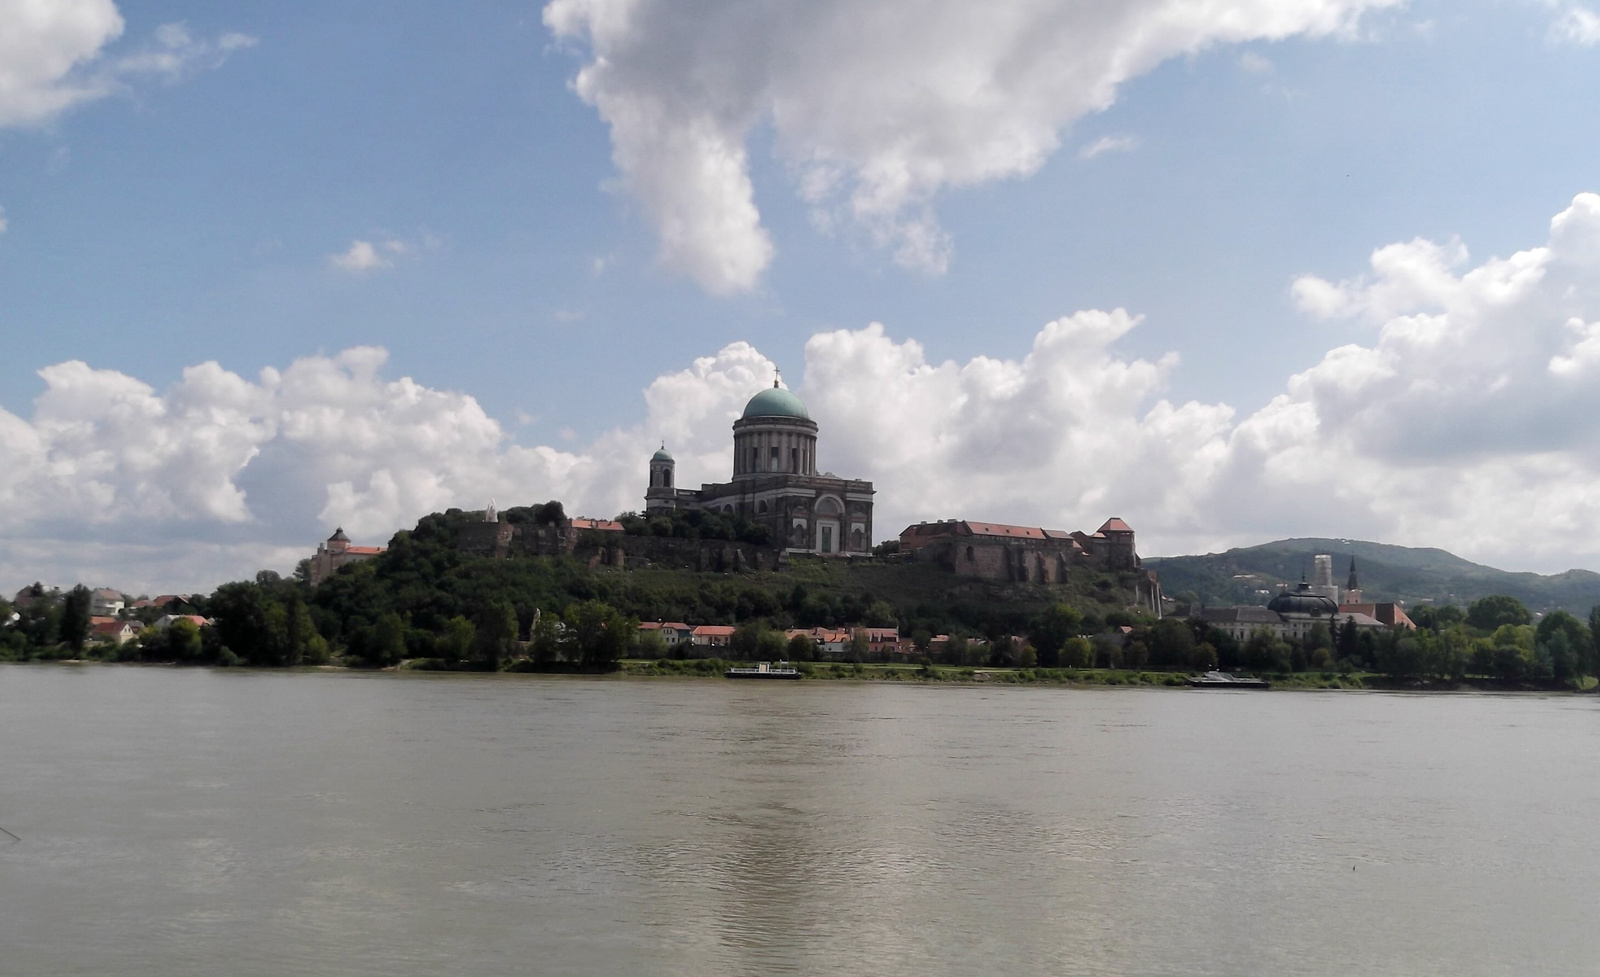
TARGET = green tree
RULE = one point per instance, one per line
(75, 619)
(858, 648)
(1488, 613)
(1593, 651)
(496, 636)
(183, 641)
(801, 649)
(1077, 652)
(546, 639)
(389, 640)
(651, 644)
(1171, 643)
(1570, 656)
(745, 639)
(456, 640)
(771, 645)
(1051, 630)
(597, 634)
(956, 650)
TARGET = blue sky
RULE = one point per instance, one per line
(187, 205)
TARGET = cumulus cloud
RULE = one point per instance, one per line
(1470, 421)
(1577, 25)
(364, 256)
(875, 107)
(53, 56)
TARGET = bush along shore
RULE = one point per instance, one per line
(426, 603)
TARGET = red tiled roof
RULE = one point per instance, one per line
(604, 525)
(1001, 529)
(1115, 525)
(714, 630)
(364, 550)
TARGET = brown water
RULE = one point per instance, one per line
(216, 822)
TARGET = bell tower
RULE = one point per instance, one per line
(663, 492)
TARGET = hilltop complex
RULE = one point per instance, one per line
(1292, 615)
(776, 483)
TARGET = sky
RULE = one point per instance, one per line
(1231, 271)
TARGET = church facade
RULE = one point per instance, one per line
(776, 483)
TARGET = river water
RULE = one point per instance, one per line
(199, 822)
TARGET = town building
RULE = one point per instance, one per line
(776, 483)
(335, 553)
(112, 630)
(1290, 616)
(105, 602)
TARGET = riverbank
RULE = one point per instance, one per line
(713, 668)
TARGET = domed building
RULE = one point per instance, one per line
(776, 483)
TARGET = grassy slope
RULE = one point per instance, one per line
(1386, 573)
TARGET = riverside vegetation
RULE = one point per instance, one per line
(427, 605)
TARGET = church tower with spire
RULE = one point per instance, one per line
(1352, 588)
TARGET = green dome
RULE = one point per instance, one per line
(775, 402)
(661, 455)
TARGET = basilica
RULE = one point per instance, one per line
(776, 483)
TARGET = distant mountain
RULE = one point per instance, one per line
(1252, 574)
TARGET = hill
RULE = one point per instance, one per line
(1251, 575)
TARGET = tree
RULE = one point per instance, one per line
(771, 645)
(1570, 656)
(455, 642)
(597, 634)
(1077, 652)
(651, 644)
(389, 640)
(956, 650)
(1171, 643)
(545, 641)
(183, 641)
(745, 638)
(801, 649)
(858, 648)
(496, 634)
(1488, 613)
(75, 619)
(1593, 651)
(1050, 631)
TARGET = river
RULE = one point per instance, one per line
(203, 822)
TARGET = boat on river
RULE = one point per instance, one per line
(1227, 680)
(764, 670)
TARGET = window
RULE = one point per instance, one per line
(794, 459)
(969, 554)
(827, 539)
(755, 459)
(774, 459)
(666, 478)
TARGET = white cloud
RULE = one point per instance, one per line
(1108, 144)
(43, 49)
(364, 256)
(1255, 63)
(53, 56)
(1471, 422)
(1577, 25)
(3, 224)
(876, 107)
(175, 54)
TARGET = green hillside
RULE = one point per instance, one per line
(1250, 575)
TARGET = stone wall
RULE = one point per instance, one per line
(607, 548)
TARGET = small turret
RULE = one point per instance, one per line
(662, 493)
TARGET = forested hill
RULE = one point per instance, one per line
(1250, 575)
